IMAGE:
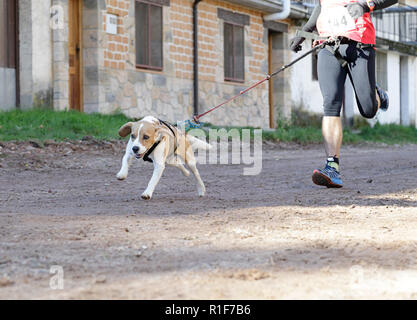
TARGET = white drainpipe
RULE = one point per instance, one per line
(286, 9)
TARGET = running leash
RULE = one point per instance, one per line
(195, 122)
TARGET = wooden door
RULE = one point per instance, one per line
(75, 54)
(9, 82)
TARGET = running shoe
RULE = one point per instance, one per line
(328, 177)
(383, 97)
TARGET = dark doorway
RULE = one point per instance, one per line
(404, 84)
(276, 84)
(75, 54)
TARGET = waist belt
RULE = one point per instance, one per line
(334, 46)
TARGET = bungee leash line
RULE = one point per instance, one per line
(195, 121)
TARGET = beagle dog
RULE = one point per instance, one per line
(159, 142)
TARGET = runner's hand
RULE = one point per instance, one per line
(295, 44)
(316, 43)
(357, 9)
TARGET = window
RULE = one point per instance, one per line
(148, 35)
(234, 52)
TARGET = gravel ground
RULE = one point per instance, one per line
(270, 236)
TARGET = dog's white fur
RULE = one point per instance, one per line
(173, 150)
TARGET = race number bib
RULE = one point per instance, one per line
(337, 20)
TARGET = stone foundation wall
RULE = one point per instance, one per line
(168, 94)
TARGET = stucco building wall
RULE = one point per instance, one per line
(35, 51)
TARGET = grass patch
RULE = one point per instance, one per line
(388, 134)
(72, 125)
(51, 125)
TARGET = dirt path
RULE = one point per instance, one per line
(270, 236)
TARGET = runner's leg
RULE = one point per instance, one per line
(332, 81)
(333, 135)
(332, 77)
(362, 75)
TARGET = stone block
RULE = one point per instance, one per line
(110, 97)
(61, 105)
(60, 35)
(91, 94)
(136, 76)
(91, 74)
(61, 52)
(61, 90)
(90, 57)
(90, 39)
(159, 80)
(90, 19)
(91, 107)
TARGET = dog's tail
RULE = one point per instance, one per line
(197, 144)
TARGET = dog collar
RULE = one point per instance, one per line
(148, 153)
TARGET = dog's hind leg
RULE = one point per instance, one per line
(126, 162)
(192, 164)
(174, 161)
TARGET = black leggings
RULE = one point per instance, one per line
(361, 71)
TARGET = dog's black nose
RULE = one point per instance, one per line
(135, 149)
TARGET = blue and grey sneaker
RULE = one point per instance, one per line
(383, 97)
(328, 177)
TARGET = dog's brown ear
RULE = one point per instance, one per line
(126, 129)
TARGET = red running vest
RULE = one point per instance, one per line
(335, 21)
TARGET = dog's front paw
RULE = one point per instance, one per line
(121, 176)
(202, 192)
(146, 196)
